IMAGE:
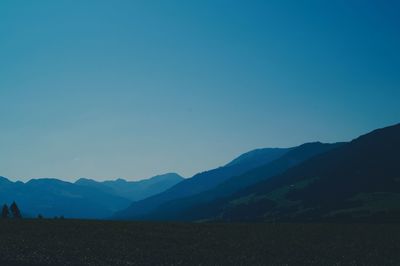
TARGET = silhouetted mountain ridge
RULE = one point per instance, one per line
(180, 209)
(200, 182)
(85, 198)
(134, 190)
(359, 181)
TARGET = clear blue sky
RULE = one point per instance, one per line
(107, 89)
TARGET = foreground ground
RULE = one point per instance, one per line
(74, 242)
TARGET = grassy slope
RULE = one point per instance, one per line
(74, 242)
(358, 181)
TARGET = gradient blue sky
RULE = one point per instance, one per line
(107, 89)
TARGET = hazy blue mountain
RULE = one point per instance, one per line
(359, 181)
(85, 198)
(180, 209)
(257, 157)
(202, 182)
(53, 197)
(134, 190)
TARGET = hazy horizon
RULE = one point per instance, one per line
(133, 89)
(73, 179)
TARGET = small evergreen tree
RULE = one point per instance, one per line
(5, 212)
(40, 216)
(15, 211)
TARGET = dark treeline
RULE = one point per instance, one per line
(11, 212)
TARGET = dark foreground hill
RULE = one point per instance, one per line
(181, 209)
(359, 181)
(77, 243)
(202, 181)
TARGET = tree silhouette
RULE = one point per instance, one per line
(15, 211)
(5, 212)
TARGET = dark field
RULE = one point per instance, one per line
(73, 242)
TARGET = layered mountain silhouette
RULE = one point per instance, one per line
(134, 190)
(358, 181)
(180, 209)
(202, 182)
(354, 181)
(52, 197)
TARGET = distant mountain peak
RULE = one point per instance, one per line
(46, 180)
(119, 180)
(262, 154)
(4, 180)
(86, 181)
(167, 175)
(136, 189)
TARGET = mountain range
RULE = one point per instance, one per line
(181, 209)
(134, 190)
(347, 181)
(359, 181)
(202, 182)
(83, 199)
(354, 181)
